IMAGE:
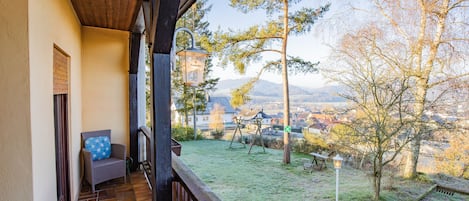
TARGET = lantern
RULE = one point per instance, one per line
(192, 62)
(337, 165)
(337, 161)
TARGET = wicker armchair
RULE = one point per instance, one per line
(97, 171)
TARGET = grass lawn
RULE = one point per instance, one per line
(234, 175)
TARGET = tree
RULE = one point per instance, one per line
(216, 119)
(380, 97)
(245, 47)
(193, 19)
(430, 44)
(346, 140)
(455, 159)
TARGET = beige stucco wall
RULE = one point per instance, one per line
(105, 82)
(98, 92)
(53, 22)
(16, 180)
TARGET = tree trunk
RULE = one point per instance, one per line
(410, 170)
(423, 77)
(286, 98)
(378, 173)
(185, 118)
(360, 166)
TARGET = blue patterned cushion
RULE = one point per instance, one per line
(100, 147)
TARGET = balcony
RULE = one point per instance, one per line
(186, 186)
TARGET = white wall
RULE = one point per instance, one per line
(141, 95)
(142, 98)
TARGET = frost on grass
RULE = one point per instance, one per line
(235, 175)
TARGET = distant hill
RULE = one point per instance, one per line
(266, 91)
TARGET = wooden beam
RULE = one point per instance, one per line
(148, 18)
(161, 116)
(163, 17)
(151, 12)
(134, 22)
(133, 120)
(163, 27)
(184, 6)
(135, 41)
(139, 25)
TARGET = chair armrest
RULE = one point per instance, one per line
(118, 151)
(88, 160)
(87, 156)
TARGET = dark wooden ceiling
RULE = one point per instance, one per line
(114, 14)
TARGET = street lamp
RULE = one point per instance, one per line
(337, 165)
(193, 64)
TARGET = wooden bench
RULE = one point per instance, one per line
(319, 160)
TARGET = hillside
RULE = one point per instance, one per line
(266, 91)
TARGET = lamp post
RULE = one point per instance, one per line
(337, 165)
(193, 64)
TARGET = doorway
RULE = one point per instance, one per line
(61, 66)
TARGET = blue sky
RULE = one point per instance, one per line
(311, 46)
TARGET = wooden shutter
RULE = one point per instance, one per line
(61, 61)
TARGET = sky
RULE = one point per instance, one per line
(312, 46)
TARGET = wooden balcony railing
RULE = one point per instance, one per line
(186, 186)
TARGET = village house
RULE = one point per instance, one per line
(203, 118)
(249, 118)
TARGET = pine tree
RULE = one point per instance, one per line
(245, 47)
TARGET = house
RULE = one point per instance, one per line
(203, 118)
(249, 117)
(69, 66)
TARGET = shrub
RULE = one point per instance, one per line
(301, 146)
(182, 133)
(455, 159)
(269, 142)
(311, 144)
(422, 177)
(314, 142)
(217, 134)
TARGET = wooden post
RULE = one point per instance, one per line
(163, 15)
(161, 86)
(133, 121)
(258, 130)
(135, 41)
(238, 127)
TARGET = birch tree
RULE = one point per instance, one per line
(380, 95)
(431, 40)
(427, 41)
(242, 48)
